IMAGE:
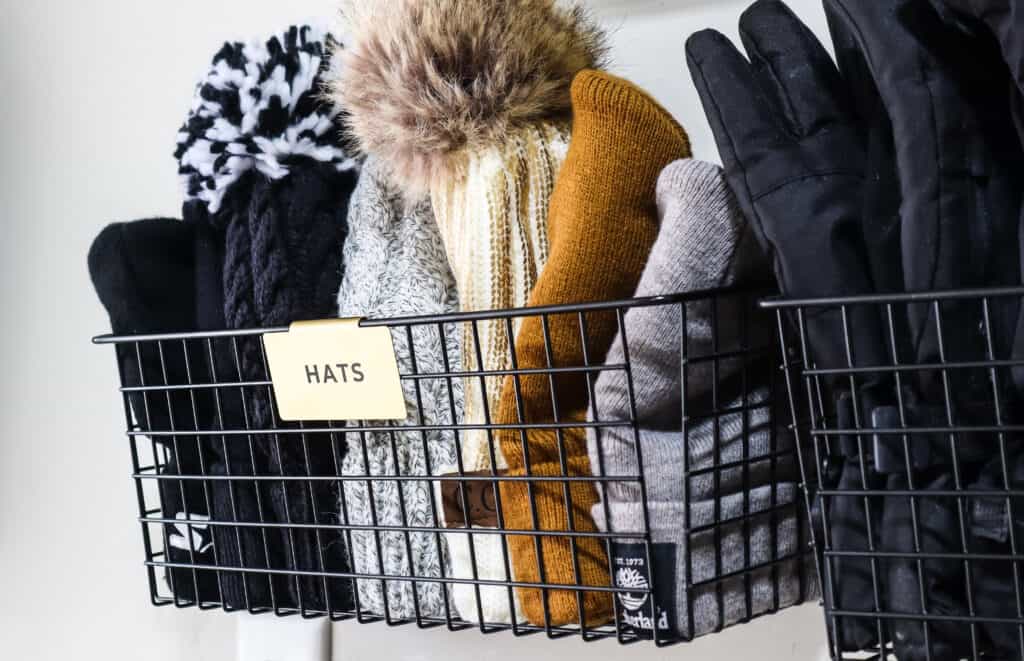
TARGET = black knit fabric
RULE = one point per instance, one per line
(265, 171)
(283, 255)
(143, 274)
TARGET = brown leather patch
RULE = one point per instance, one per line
(479, 498)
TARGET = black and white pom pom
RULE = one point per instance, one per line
(260, 108)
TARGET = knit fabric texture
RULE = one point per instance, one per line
(144, 274)
(395, 265)
(482, 603)
(704, 243)
(494, 225)
(602, 223)
(265, 154)
(738, 531)
(257, 110)
(483, 132)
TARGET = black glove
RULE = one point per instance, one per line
(792, 140)
(853, 525)
(1003, 21)
(995, 582)
(959, 174)
(941, 580)
(793, 145)
(793, 151)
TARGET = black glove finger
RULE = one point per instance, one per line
(732, 100)
(790, 64)
(854, 69)
(896, 61)
(881, 215)
(1003, 18)
(1003, 21)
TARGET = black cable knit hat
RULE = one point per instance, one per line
(266, 154)
(264, 157)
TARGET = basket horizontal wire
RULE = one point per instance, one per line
(377, 521)
(910, 443)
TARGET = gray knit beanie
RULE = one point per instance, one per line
(704, 243)
(395, 265)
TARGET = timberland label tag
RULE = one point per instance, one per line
(632, 571)
(335, 370)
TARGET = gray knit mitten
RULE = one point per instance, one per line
(395, 265)
(704, 243)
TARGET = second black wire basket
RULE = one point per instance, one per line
(910, 424)
(660, 516)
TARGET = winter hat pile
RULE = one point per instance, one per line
(603, 221)
(261, 155)
(704, 243)
(395, 266)
(482, 132)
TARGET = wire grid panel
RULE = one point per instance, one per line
(910, 443)
(650, 494)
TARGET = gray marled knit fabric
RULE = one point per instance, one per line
(395, 265)
(741, 544)
(704, 242)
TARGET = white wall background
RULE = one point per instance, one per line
(92, 92)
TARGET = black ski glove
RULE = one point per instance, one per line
(794, 154)
(998, 530)
(1002, 20)
(793, 145)
(940, 580)
(959, 175)
(956, 232)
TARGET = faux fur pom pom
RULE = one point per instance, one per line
(421, 80)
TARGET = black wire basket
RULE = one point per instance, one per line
(390, 521)
(909, 429)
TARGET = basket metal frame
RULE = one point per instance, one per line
(812, 406)
(150, 452)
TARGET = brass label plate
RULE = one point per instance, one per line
(335, 370)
